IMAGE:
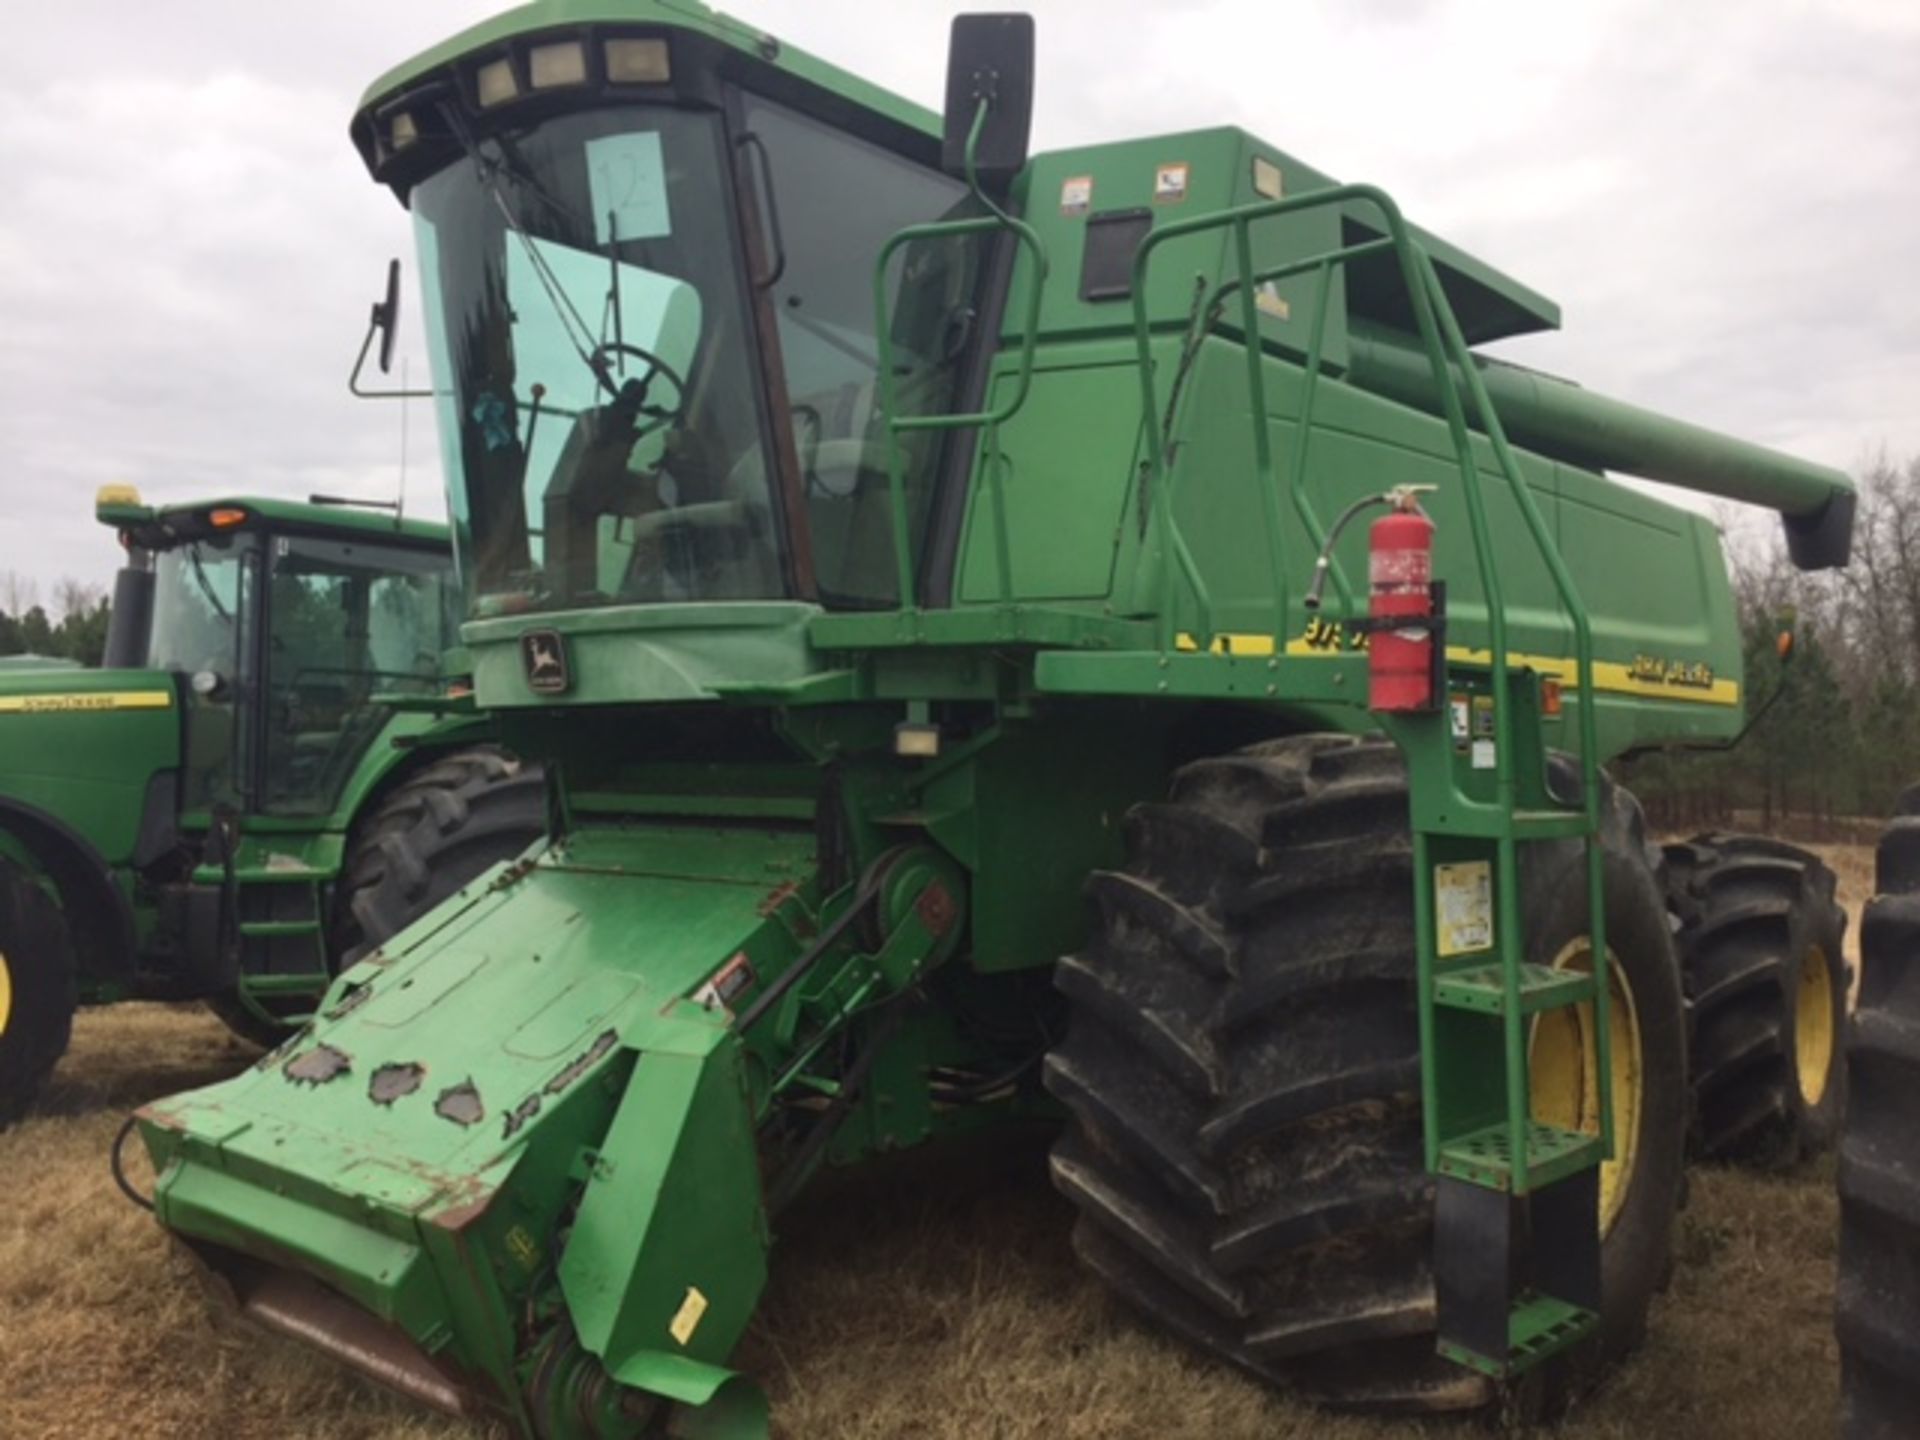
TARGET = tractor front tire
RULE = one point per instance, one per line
(1877, 1298)
(1762, 963)
(430, 836)
(37, 989)
(1242, 1071)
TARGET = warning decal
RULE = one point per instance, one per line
(1463, 907)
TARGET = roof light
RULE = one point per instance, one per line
(561, 64)
(916, 741)
(638, 62)
(116, 495)
(226, 518)
(496, 82)
(403, 132)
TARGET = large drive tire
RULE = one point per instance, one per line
(1242, 1068)
(37, 989)
(463, 814)
(1761, 959)
(1877, 1299)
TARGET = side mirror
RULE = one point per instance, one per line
(383, 322)
(990, 58)
(385, 318)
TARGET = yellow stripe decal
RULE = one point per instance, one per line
(85, 700)
(1608, 675)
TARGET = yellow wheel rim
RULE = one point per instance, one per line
(1562, 1077)
(1813, 1030)
(6, 993)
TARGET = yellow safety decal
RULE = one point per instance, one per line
(1647, 676)
(85, 700)
(687, 1319)
(1463, 907)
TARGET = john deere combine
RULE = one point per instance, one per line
(892, 543)
(241, 796)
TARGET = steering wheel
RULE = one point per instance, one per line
(659, 416)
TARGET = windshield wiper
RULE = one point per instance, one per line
(572, 325)
(206, 585)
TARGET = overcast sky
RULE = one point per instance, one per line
(1721, 194)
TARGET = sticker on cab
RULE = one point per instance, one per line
(1170, 184)
(1076, 195)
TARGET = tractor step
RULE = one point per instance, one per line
(1516, 1278)
(1537, 1326)
(266, 929)
(1481, 823)
(1485, 1157)
(313, 983)
(1483, 988)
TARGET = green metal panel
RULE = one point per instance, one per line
(83, 745)
(1063, 505)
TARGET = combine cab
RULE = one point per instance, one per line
(918, 562)
(257, 783)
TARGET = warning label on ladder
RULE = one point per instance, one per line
(1463, 907)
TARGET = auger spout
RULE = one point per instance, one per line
(1557, 418)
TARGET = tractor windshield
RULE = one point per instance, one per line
(613, 362)
(347, 623)
(202, 592)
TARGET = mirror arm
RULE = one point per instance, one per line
(359, 363)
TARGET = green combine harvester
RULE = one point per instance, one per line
(248, 791)
(916, 562)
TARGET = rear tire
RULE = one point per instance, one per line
(37, 989)
(1761, 958)
(457, 818)
(1242, 1070)
(1877, 1299)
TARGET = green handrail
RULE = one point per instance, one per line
(990, 419)
(1445, 348)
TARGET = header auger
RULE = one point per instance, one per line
(866, 643)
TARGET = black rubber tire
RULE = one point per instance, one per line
(1877, 1298)
(1241, 1067)
(37, 951)
(1750, 911)
(467, 811)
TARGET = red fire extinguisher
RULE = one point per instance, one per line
(1400, 657)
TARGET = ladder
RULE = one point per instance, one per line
(1516, 1249)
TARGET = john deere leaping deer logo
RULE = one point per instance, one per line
(543, 656)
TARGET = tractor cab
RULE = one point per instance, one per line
(287, 627)
(649, 288)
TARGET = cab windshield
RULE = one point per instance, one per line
(611, 374)
(348, 624)
(201, 629)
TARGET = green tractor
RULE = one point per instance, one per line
(251, 789)
(916, 562)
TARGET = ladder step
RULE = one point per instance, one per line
(1550, 824)
(1485, 1157)
(267, 929)
(1482, 988)
(1537, 1326)
(314, 984)
(1491, 824)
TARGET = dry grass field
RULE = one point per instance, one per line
(937, 1305)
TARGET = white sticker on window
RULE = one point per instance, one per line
(627, 181)
(1463, 907)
